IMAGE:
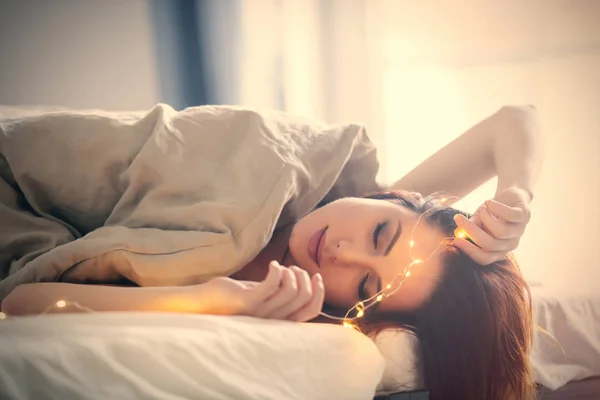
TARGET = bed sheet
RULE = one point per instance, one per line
(573, 318)
(176, 356)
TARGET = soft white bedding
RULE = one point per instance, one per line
(574, 321)
(172, 356)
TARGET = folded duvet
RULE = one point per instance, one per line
(162, 197)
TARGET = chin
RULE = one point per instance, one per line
(299, 253)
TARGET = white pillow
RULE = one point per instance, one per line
(399, 349)
(168, 356)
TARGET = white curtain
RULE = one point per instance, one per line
(320, 59)
(417, 74)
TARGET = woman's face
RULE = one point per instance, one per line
(359, 245)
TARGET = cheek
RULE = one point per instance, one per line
(304, 227)
(338, 288)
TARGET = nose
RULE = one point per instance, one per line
(344, 252)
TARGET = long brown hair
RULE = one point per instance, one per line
(475, 330)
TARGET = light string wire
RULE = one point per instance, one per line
(60, 304)
(395, 285)
(64, 304)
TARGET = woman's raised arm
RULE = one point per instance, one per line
(507, 144)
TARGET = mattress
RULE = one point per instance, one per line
(176, 356)
(572, 352)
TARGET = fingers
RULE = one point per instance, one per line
(297, 299)
(288, 293)
(285, 294)
(494, 230)
(476, 254)
(499, 228)
(509, 214)
(311, 309)
(483, 239)
(270, 285)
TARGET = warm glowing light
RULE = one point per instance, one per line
(412, 243)
(459, 233)
(2, 316)
(380, 297)
(388, 286)
(348, 325)
(444, 199)
(360, 314)
(417, 262)
(61, 304)
(407, 274)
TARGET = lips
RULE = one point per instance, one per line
(315, 246)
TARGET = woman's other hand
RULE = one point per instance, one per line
(496, 227)
(286, 294)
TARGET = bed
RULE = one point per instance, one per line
(177, 356)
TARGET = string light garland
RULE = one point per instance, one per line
(396, 283)
(60, 304)
(360, 307)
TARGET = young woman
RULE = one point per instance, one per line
(467, 302)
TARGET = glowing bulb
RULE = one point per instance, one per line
(2, 316)
(348, 325)
(388, 286)
(407, 274)
(417, 262)
(380, 297)
(61, 304)
(444, 199)
(412, 243)
(360, 314)
(459, 233)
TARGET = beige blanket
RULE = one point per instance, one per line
(162, 197)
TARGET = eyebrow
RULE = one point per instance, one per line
(394, 239)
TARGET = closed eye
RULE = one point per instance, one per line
(362, 290)
(377, 232)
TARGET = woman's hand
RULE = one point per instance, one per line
(286, 293)
(496, 227)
